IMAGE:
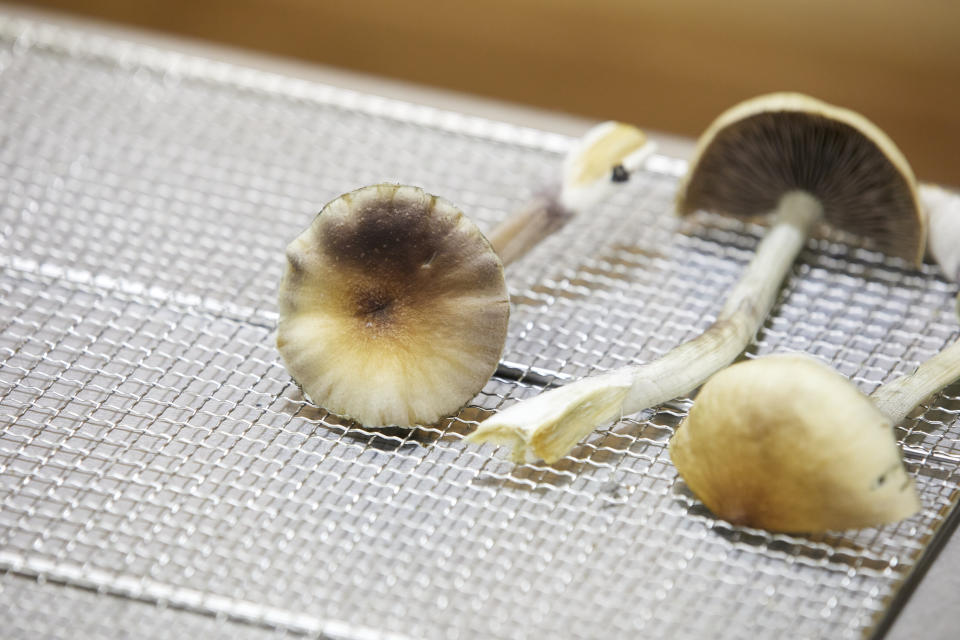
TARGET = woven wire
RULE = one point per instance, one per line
(153, 448)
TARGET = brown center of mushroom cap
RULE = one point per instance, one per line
(749, 164)
(399, 263)
(373, 303)
(395, 237)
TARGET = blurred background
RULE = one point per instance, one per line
(667, 65)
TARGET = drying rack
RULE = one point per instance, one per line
(162, 477)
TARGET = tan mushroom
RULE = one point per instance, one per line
(803, 161)
(393, 308)
(785, 443)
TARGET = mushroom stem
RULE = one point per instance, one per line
(898, 398)
(527, 227)
(687, 366)
(548, 425)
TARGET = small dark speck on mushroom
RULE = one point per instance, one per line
(882, 479)
(619, 174)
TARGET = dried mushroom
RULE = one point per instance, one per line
(393, 307)
(785, 443)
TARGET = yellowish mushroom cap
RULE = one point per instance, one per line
(785, 443)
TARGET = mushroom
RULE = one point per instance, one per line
(785, 443)
(801, 159)
(393, 308)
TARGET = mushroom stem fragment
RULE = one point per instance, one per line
(527, 227)
(551, 423)
(898, 398)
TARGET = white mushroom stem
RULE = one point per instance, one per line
(548, 425)
(898, 398)
(526, 228)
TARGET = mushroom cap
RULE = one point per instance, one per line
(594, 155)
(785, 443)
(393, 308)
(760, 149)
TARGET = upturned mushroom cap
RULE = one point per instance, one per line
(393, 307)
(765, 147)
(785, 443)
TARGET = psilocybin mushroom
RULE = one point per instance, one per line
(794, 157)
(785, 443)
(393, 308)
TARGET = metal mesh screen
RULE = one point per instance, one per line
(161, 476)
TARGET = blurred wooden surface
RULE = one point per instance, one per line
(662, 64)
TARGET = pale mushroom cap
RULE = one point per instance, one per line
(785, 443)
(393, 308)
(604, 146)
(762, 148)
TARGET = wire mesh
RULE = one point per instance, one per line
(161, 475)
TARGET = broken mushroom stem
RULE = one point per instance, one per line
(588, 178)
(550, 424)
(898, 398)
(539, 218)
